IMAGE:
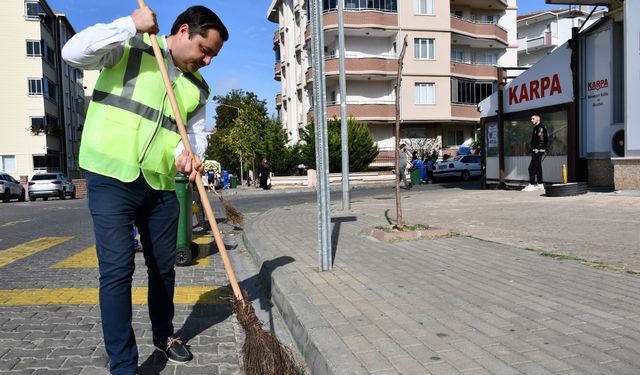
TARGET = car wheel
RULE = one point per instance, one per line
(45, 198)
(63, 194)
(7, 196)
(23, 196)
(32, 198)
(465, 175)
(73, 194)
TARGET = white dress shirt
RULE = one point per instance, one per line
(102, 45)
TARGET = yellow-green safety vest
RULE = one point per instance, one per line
(130, 126)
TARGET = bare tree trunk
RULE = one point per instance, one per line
(400, 221)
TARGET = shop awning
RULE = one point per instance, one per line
(548, 82)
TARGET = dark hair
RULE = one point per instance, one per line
(402, 145)
(536, 114)
(200, 19)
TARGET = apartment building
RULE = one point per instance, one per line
(540, 33)
(43, 98)
(454, 48)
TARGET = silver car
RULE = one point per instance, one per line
(10, 188)
(462, 166)
(45, 185)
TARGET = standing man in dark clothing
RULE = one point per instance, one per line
(537, 148)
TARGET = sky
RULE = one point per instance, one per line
(247, 59)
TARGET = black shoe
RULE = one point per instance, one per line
(174, 349)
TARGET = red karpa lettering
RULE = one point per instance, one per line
(536, 89)
(597, 85)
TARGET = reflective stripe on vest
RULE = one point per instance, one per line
(130, 125)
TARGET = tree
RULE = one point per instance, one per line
(243, 130)
(362, 148)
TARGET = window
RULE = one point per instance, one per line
(35, 86)
(37, 124)
(425, 93)
(485, 59)
(50, 89)
(80, 75)
(49, 55)
(32, 9)
(424, 48)
(33, 48)
(47, 161)
(469, 92)
(457, 55)
(455, 137)
(488, 19)
(456, 14)
(423, 7)
(8, 163)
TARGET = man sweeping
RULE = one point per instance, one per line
(131, 151)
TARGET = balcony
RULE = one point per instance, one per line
(483, 4)
(537, 43)
(358, 19)
(460, 68)
(278, 100)
(375, 110)
(359, 66)
(276, 37)
(479, 30)
(465, 111)
(277, 71)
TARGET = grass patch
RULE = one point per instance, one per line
(590, 263)
(406, 228)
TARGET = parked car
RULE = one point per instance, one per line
(45, 185)
(10, 188)
(463, 166)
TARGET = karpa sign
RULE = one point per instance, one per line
(547, 83)
(535, 89)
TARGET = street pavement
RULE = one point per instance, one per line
(49, 312)
(530, 285)
(482, 302)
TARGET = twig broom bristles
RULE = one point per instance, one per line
(263, 353)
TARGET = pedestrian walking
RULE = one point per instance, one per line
(403, 166)
(264, 172)
(131, 151)
(537, 149)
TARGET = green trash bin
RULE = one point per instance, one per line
(415, 177)
(233, 181)
(186, 249)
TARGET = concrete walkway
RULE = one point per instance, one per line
(477, 303)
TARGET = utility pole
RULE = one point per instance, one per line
(325, 262)
(344, 130)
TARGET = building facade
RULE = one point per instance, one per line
(540, 33)
(43, 97)
(450, 65)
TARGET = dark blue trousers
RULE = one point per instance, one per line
(115, 207)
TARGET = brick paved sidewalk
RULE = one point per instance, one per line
(446, 306)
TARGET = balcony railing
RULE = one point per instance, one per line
(465, 111)
(473, 69)
(479, 29)
(277, 70)
(278, 100)
(369, 110)
(276, 37)
(362, 18)
(543, 41)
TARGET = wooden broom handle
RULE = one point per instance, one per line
(185, 140)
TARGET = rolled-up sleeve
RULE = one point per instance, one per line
(100, 45)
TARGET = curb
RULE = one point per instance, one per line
(323, 350)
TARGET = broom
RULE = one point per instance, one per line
(263, 353)
(233, 214)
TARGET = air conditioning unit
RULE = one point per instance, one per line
(617, 140)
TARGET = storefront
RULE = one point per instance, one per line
(545, 89)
